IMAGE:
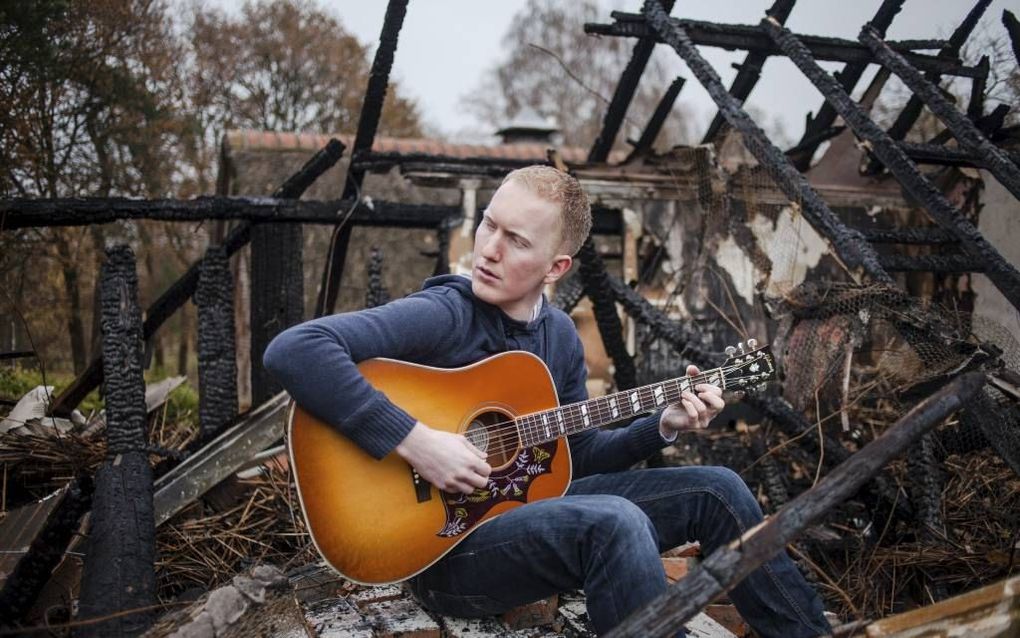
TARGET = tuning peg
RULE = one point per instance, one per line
(740, 344)
(752, 344)
(730, 351)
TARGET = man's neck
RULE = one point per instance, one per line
(526, 309)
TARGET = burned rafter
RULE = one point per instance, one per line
(729, 565)
(1003, 274)
(932, 263)
(909, 235)
(651, 130)
(752, 38)
(181, 290)
(368, 124)
(966, 134)
(817, 127)
(623, 95)
(1013, 29)
(848, 243)
(905, 120)
(947, 156)
(749, 71)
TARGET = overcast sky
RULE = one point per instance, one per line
(446, 46)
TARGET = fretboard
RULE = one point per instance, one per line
(548, 425)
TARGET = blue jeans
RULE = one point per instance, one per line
(605, 536)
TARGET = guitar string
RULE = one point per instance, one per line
(600, 412)
(596, 410)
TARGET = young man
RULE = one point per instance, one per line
(605, 535)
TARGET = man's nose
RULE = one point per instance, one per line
(490, 247)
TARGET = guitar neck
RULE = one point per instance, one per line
(541, 427)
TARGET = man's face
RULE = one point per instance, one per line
(517, 250)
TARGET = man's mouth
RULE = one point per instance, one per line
(488, 273)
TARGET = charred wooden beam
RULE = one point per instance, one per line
(119, 573)
(947, 156)
(220, 458)
(932, 263)
(662, 110)
(26, 581)
(22, 213)
(1013, 29)
(597, 287)
(729, 565)
(368, 124)
(623, 95)
(382, 162)
(181, 290)
(1003, 274)
(976, 103)
(966, 134)
(277, 295)
(909, 235)
(849, 244)
(16, 354)
(217, 360)
(990, 124)
(377, 293)
(752, 38)
(749, 71)
(848, 77)
(905, 120)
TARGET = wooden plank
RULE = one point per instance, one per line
(990, 612)
(220, 458)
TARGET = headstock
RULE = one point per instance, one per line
(747, 367)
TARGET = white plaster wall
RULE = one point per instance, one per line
(999, 222)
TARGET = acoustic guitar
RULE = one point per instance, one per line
(378, 522)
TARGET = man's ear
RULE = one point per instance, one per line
(560, 266)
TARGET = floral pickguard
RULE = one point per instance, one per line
(509, 484)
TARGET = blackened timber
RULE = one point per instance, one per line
(849, 244)
(119, 572)
(947, 156)
(752, 38)
(932, 263)
(381, 162)
(24, 213)
(749, 71)
(368, 124)
(623, 95)
(597, 287)
(181, 290)
(662, 110)
(1013, 29)
(905, 120)
(217, 360)
(967, 135)
(976, 103)
(909, 235)
(848, 77)
(727, 566)
(1003, 274)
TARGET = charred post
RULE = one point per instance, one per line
(749, 71)
(849, 244)
(377, 294)
(217, 360)
(368, 124)
(727, 566)
(181, 290)
(1003, 274)
(848, 77)
(119, 573)
(597, 287)
(963, 129)
(1013, 29)
(623, 95)
(905, 120)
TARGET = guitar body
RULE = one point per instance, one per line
(377, 522)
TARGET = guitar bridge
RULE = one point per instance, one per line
(422, 488)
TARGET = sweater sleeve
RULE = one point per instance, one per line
(600, 451)
(316, 362)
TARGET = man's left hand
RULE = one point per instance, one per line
(694, 411)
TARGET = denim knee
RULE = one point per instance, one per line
(618, 520)
(736, 496)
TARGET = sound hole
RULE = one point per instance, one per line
(495, 434)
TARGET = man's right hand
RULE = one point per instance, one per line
(448, 461)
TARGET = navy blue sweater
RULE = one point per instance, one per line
(444, 325)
